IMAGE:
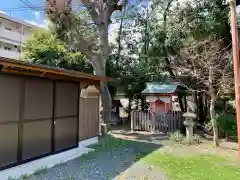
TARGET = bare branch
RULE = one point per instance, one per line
(205, 59)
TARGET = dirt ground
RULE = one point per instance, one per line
(225, 149)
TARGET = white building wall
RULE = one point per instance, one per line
(9, 54)
(12, 35)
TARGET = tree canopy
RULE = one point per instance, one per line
(43, 47)
(162, 40)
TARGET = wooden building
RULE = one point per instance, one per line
(41, 111)
(162, 97)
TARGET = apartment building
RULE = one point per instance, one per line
(13, 32)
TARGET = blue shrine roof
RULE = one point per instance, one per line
(159, 88)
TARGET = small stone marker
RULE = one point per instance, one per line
(189, 123)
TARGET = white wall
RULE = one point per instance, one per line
(9, 54)
(13, 32)
(12, 35)
(11, 26)
(12, 53)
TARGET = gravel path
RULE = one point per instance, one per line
(108, 164)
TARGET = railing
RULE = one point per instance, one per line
(160, 122)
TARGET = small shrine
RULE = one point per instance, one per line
(162, 97)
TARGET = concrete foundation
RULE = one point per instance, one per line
(49, 161)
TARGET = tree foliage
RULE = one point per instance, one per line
(43, 47)
(209, 62)
(187, 21)
(182, 45)
(87, 35)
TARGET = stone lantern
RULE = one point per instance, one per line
(189, 123)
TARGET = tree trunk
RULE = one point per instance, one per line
(182, 101)
(106, 103)
(120, 36)
(185, 102)
(165, 51)
(201, 108)
(129, 108)
(206, 106)
(214, 121)
(100, 69)
(106, 100)
(212, 107)
(197, 105)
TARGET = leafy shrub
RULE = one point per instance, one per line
(180, 138)
(230, 107)
(227, 125)
(196, 139)
(208, 127)
(176, 136)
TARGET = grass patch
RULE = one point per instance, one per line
(108, 142)
(201, 167)
(23, 177)
(40, 171)
(105, 143)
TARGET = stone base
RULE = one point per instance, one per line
(104, 129)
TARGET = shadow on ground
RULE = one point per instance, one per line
(123, 131)
(111, 157)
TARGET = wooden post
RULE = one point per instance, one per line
(148, 121)
(153, 122)
(233, 4)
(154, 107)
(145, 121)
(172, 121)
(170, 103)
(132, 119)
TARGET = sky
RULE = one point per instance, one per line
(17, 9)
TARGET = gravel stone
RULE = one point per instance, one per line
(110, 164)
